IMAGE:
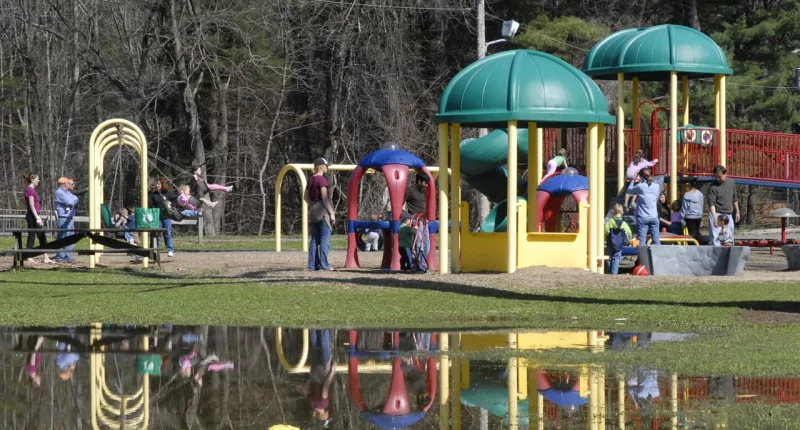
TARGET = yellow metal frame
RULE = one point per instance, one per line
(300, 169)
(300, 367)
(108, 408)
(107, 135)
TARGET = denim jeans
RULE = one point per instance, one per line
(613, 261)
(167, 224)
(65, 223)
(320, 245)
(424, 241)
(713, 230)
(645, 224)
(320, 343)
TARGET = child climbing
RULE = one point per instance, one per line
(618, 234)
(406, 243)
(200, 187)
(725, 234)
(676, 227)
(560, 160)
(188, 209)
(638, 163)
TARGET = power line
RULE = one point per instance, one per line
(389, 6)
(751, 85)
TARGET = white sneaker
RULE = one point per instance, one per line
(171, 254)
(214, 204)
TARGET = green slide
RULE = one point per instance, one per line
(483, 163)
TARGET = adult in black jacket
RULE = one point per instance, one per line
(160, 197)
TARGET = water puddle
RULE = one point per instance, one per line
(106, 376)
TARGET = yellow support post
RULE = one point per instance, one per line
(673, 136)
(621, 401)
(594, 222)
(674, 400)
(513, 412)
(723, 128)
(455, 386)
(635, 102)
(511, 203)
(594, 399)
(621, 131)
(535, 402)
(534, 173)
(444, 378)
(685, 101)
(455, 198)
(716, 101)
(601, 190)
(444, 244)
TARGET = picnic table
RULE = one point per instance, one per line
(96, 235)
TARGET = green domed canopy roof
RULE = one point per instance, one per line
(522, 85)
(652, 53)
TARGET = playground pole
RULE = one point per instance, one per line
(673, 136)
(621, 131)
(443, 216)
(723, 138)
(513, 413)
(716, 102)
(594, 222)
(534, 173)
(635, 103)
(511, 202)
(444, 365)
(601, 191)
(455, 200)
(685, 101)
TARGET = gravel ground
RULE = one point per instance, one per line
(289, 267)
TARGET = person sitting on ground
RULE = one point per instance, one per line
(558, 161)
(406, 243)
(66, 360)
(373, 236)
(200, 187)
(188, 209)
(618, 234)
(638, 163)
(725, 235)
(677, 224)
(664, 213)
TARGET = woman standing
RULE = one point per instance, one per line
(32, 215)
(321, 216)
(160, 197)
(646, 193)
(664, 213)
(638, 162)
(692, 208)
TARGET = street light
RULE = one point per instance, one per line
(509, 31)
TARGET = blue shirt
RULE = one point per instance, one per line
(131, 222)
(65, 203)
(646, 198)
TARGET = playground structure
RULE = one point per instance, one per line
(516, 88)
(396, 412)
(300, 170)
(107, 135)
(532, 90)
(395, 165)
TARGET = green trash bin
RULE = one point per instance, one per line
(148, 218)
(148, 365)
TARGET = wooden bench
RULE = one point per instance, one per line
(111, 245)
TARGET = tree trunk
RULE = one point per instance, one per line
(751, 206)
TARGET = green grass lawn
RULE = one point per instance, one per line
(729, 343)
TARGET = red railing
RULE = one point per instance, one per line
(756, 155)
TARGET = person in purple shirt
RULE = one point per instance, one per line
(322, 216)
(33, 215)
(65, 210)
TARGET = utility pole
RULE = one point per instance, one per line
(483, 202)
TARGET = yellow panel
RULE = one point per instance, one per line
(481, 251)
(567, 250)
(552, 339)
(482, 342)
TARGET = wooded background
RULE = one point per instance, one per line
(248, 86)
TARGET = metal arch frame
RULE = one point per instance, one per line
(107, 135)
(299, 168)
(300, 366)
(101, 394)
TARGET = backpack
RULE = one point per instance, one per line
(617, 238)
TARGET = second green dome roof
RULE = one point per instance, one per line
(652, 53)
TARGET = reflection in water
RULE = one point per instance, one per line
(107, 376)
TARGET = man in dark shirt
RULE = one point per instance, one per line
(417, 204)
(722, 200)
